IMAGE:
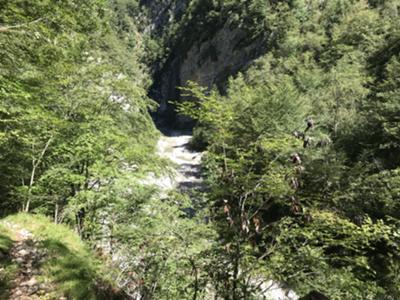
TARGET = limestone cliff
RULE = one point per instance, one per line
(203, 50)
(163, 12)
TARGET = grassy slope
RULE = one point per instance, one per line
(7, 269)
(70, 266)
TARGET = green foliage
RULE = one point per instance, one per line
(5, 240)
(318, 212)
(73, 102)
(162, 248)
(328, 221)
(169, 251)
(332, 255)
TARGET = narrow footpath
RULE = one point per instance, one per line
(26, 254)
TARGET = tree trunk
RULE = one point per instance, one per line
(196, 279)
(4, 29)
(236, 273)
(56, 213)
(35, 164)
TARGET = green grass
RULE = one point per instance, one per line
(74, 271)
(7, 268)
(5, 240)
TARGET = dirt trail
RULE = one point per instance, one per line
(26, 254)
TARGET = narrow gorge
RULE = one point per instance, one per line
(200, 149)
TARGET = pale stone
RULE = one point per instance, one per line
(23, 252)
(31, 282)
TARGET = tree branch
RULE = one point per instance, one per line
(4, 29)
(35, 164)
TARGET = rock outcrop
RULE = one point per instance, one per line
(163, 12)
(206, 52)
(208, 63)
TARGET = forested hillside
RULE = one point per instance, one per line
(73, 102)
(295, 105)
(303, 150)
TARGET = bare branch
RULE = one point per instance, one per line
(35, 164)
(4, 29)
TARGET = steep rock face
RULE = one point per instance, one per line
(211, 61)
(163, 12)
(206, 53)
(208, 63)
